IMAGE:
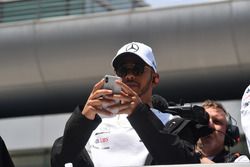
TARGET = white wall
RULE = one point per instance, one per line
(33, 131)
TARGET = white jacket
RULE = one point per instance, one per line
(245, 115)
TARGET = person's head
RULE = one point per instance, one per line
(136, 65)
(214, 143)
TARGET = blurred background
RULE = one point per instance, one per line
(53, 51)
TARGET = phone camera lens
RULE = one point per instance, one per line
(106, 79)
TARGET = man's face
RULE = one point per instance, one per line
(136, 74)
(214, 143)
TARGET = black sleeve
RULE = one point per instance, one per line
(71, 146)
(5, 159)
(165, 148)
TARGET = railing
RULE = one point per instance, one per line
(11, 11)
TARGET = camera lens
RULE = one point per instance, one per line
(106, 79)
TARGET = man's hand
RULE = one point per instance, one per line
(205, 160)
(95, 101)
(129, 100)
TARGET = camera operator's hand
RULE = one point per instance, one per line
(95, 101)
(205, 160)
(129, 100)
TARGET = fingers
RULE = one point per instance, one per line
(95, 100)
(98, 85)
(98, 91)
(129, 99)
(103, 101)
(119, 97)
(126, 88)
(125, 107)
(97, 105)
(99, 111)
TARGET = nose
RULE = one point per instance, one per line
(210, 123)
(130, 76)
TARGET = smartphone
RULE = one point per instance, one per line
(112, 85)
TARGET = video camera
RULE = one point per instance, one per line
(186, 111)
(192, 124)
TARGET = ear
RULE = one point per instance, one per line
(156, 79)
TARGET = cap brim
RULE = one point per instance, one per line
(118, 59)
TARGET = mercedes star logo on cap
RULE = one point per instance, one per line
(132, 47)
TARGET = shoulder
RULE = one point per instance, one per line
(245, 103)
(246, 92)
(164, 117)
(242, 158)
(236, 157)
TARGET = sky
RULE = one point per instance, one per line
(172, 2)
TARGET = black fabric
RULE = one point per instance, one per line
(165, 148)
(170, 144)
(187, 130)
(183, 128)
(71, 147)
(5, 159)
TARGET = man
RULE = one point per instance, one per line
(213, 148)
(176, 142)
(245, 115)
(112, 141)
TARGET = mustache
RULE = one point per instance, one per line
(132, 82)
